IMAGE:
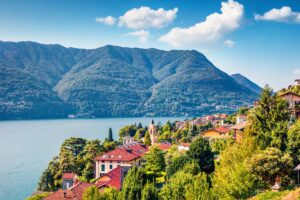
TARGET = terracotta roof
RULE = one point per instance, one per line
(115, 178)
(124, 153)
(68, 175)
(164, 146)
(74, 193)
(136, 148)
(118, 154)
(240, 126)
(222, 129)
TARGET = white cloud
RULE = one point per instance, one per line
(145, 17)
(229, 43)
(284, 14)
(141, 34)
(210, 30)
(109, 20)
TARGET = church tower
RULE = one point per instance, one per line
(152, 132)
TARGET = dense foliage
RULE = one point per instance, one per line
(210, 169)
(113, 81)
(76, 155)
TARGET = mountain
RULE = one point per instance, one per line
(113, 81)
(22, 96)
(247, 83)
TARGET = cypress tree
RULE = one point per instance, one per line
(110, 135)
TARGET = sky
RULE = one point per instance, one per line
(259, 39)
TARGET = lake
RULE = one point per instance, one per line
(27, 146)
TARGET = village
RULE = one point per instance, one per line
(111, 168)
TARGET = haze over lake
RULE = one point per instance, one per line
(26, 147)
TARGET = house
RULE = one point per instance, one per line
(241, 118)
(184, 146)
(294, 102)
(68, 180)
(238, 130)
(126, 155)
(164, 146)
(73, 193)
(114, 178)
(217, 133)
(128, 140)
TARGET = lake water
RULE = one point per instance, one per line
(26, 147)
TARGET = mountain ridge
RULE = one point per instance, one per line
(113, 81)
(242, 80)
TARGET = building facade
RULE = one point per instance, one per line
(126, 155)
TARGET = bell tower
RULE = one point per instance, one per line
(153, 132)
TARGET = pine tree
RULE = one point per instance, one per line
(149, 192)
(269, 121)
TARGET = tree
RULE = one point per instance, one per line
(201, 152)
(39, 196)
(48, 181)
(175, 188)
(140, 126)
(110, 194)
(199, 188)
(147, 140)
(155, 161)
(269, 163)
(149, 192)
(294, 143)
(129, 130)
(91, 193)
(177, 164)
(269, 121)
(167, 127)
(232, 178)
(140, 133)
(90, 151)
(165, 136)
(133, 184)
(110, 135)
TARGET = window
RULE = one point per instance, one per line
(103, 168)
(110, 166)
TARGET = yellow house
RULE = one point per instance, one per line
(217, 133)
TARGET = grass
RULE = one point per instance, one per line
(271, 195)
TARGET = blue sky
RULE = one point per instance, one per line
(258, 40)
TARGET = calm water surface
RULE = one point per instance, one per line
(26, 147)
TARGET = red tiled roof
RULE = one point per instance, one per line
(74, 193)
(123, 153)
(164, 146)
(118, 154)
(115, 181)
(68, 175)
(222, 129)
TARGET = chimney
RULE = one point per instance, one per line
(65, 194)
